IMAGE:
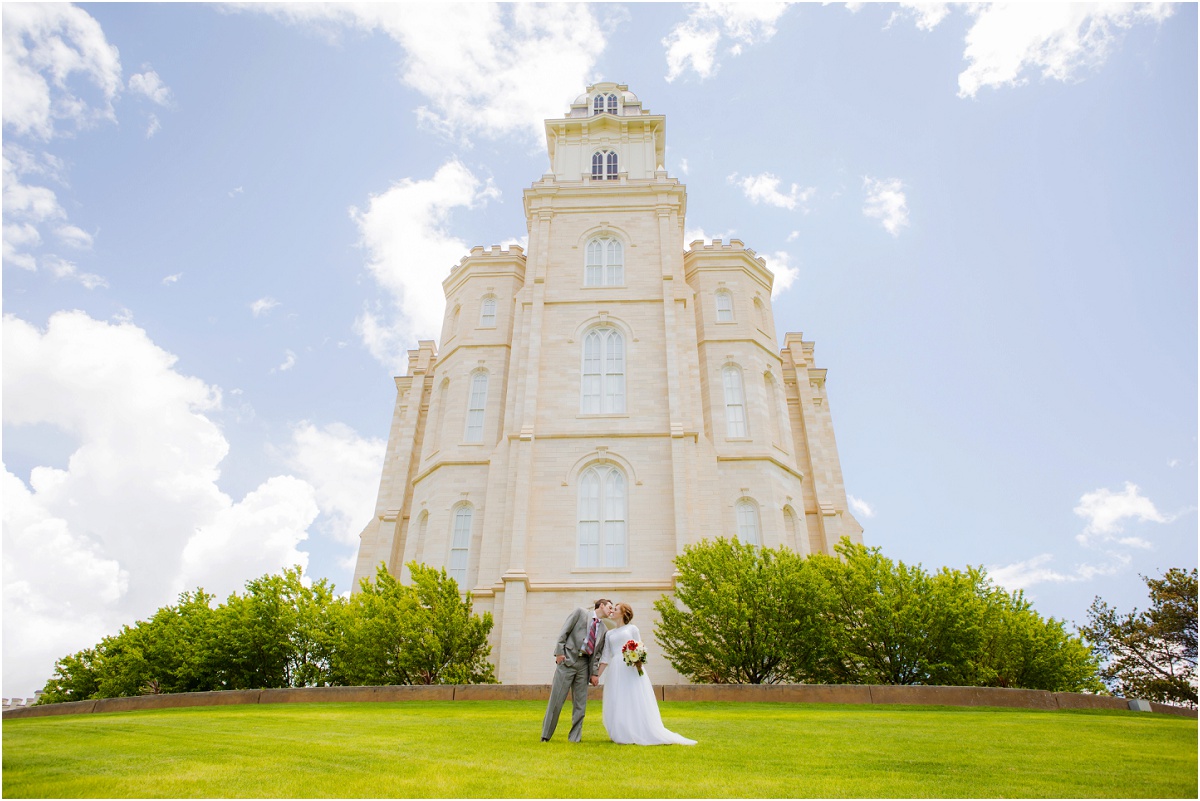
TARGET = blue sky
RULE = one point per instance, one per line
(224, 226)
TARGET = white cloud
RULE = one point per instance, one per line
(45, 46)
(886, 202)
(289, 361)
(1025, 574)
(344, 470)
(151, 86)
(1105, 511)
(405, 231)
(860, 507)
(793, 236)
(136, 516)
(691, 235)
(489, 69)
(18, 237)
(779, 263)
(926, 16)
(73, 236)
(63, 269)
(237, 190)
(171, 279)
(694, 43)
(153, 126)
(263, 306)
(764, 188)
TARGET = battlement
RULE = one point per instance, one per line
(717, 246)
(492, 252)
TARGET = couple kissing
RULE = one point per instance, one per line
(586, 651)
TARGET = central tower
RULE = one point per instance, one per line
(600, 402)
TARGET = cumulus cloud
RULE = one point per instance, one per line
(694, 43)
(136, 516)
(153, 126)
(50, 49)
(764, 188)
(65, 270)
(885, 202)
(1008, 41)
(263, 306)
(488, 69)
(343, 468)
(405, 231)
(74, 236)
(149, 85)
(780, 264)
(1105, 512)
(860, 507)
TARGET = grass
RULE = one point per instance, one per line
(492, 749)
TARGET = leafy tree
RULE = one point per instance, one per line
(1150, 654)
(749, 615)
(425, 633)
(74, 678)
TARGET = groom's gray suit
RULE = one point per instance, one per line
(574, 672)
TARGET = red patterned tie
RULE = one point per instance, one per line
(590, 648)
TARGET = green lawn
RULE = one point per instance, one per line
(492, 749)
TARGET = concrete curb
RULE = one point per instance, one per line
(735, 693)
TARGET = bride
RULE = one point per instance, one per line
(630, 708)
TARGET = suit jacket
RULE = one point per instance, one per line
(573, 638)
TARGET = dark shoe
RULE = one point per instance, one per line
(545, 739)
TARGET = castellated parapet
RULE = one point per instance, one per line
(600, 400)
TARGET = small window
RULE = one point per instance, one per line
(460, 545)
(735, 404)
(604, 165)
(475, 409)
(724, 306)
(487, 313)
(761, 311)
(605, 265)
(602, 511)
(747, 522)
(604, 103)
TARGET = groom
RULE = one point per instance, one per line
(577, 654)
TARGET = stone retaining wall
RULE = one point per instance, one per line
(740, 693)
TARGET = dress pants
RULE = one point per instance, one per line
(573, 679)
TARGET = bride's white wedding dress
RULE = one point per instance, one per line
(630, 708)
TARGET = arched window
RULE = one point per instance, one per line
(747, 522)
(760, 311)
(460, 545)
(487, 312)
(724, 306)
(476, 405)
(602, 513)
(419, 545)
(789, 524)
(779, 426)
(604, 103)
(602, 390)
(604, 165)
(735, 403)
(454, 321)
(605, 263)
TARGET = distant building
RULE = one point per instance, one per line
(600, 402)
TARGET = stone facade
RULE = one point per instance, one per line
(601, 401)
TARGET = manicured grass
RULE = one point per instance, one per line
(492, 749)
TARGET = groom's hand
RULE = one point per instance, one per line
(595, 681)
(558, 660)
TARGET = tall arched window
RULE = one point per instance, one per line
(487, 312)
(602, 513)
(602, 389)
(724, 306)
(747, 522)
(605, 264)
(735, 403)
(460, 545)
(454, 321)
(760, 311)
(476, 406)
(604, 165)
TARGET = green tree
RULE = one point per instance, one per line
(424, 633)
(74, 678)
(1150, 654)
(744, 615)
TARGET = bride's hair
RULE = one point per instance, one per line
(626, 612)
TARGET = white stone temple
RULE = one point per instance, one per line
(601, 401)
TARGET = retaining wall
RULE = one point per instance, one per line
(743, 693)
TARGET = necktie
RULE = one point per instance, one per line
(590, 648)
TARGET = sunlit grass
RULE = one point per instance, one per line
(492, 749)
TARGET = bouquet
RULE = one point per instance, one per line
(634, 654)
